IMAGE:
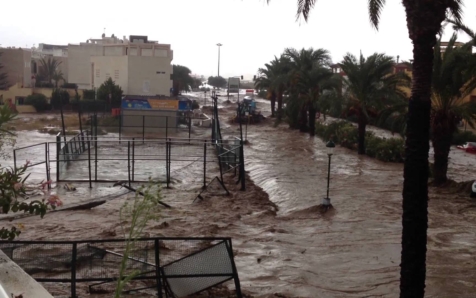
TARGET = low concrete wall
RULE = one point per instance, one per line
(15, 281)
(25, 109)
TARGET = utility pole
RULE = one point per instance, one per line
(219, 45)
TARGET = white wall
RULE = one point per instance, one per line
(79, 63)
(152, 71)
(115, 67)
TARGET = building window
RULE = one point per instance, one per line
(98, 72)
(108, 75)
(116, 74)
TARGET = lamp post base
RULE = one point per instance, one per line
(326, 205)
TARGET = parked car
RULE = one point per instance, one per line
(473, 190)
(468, 147)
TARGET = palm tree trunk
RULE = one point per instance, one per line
(312, 120)
(415, 173)
(280, 105)
(361, 126)
(303, 119)
(273, 104)
(441, 139)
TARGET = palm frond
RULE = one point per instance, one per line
(455, 9)
(304, 8)
(375, 10)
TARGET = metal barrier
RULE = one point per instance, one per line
(230, 152)
(145, 126)
(177, 266)
(36, 155)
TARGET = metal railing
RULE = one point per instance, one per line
(230, 152)
(173, 264)
(145, 126)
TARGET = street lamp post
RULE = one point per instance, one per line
(219, 45)
(326, 202)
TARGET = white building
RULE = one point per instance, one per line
(139, 66)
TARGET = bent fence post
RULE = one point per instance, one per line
(204, 164)
(157, 267)
(129, 162)
(73, 270)
(89, 162)
(58, 148)
(133, 158)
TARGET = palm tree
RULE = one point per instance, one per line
(331, 101)
(310, 71)
(263, 82)
(424, 20)
(48, 68)
(57, 76)
(453, 79)
(181, 79)
(274, 78)
(280, 80)
(369, 82)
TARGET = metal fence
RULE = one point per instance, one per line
(230, 152)
(111, 159)
(147, 126)
(174, 267)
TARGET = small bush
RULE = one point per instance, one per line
(195, 105)
(89, 94)
(39, 101)
(461, 137)
(345, 134)
(59, 96)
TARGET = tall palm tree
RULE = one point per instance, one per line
(280, 80)
(182, 79)
(369, 82)
(264, 81)
(331, 101)
(424, 21)
(274, 78)
(453, 79)
(308, 76)
(48, 68)
(57, 76)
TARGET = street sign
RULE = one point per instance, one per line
(233, 85)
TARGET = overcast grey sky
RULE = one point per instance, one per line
(251, 31)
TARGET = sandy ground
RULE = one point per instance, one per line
(283, 246)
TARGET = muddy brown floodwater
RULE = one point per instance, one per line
(283, 245)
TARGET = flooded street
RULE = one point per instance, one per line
(282, 244)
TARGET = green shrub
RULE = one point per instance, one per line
(461, 137)
(59, 96)
(89, 94)
(39, 101)
(345, 134)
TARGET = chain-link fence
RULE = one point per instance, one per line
(174, 267)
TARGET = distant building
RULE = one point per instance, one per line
(17, 65)
(50, 50)
(138, 65)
